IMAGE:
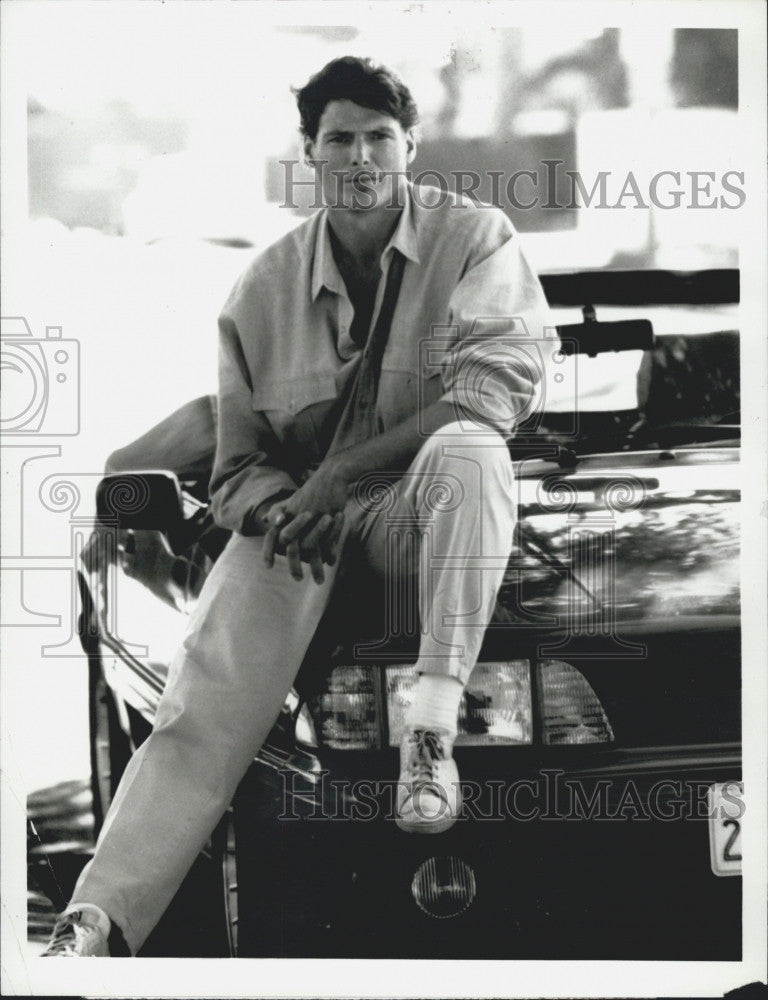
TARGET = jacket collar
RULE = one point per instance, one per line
(325, 273)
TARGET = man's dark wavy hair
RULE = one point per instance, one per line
(359, 80)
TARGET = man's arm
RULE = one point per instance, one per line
(394, 450)
(314, 511)
(247, 477)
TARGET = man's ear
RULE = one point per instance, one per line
(410, 146)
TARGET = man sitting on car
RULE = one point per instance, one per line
(368, 379)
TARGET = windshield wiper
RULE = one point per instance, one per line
(678, 434)
(536, 546)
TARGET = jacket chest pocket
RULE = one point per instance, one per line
(288, 397)
(298, 410)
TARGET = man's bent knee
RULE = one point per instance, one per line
(463, 438)
(461, 446)
(462, 464)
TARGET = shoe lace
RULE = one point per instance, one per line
(63, 937)
(426, 749)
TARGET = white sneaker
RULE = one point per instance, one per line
(80, 932)
(428, 792)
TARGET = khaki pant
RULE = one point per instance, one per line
(247, 637)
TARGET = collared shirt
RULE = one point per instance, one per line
(467, 328)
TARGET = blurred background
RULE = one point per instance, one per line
(152, 136)
(170, 122)
(144, 166)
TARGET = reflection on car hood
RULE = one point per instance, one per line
(640, 537)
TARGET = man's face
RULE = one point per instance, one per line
(363, 151)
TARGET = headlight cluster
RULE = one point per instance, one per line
(364, 707)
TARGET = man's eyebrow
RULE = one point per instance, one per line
(346, 132)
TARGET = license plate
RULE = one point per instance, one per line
(726, 808)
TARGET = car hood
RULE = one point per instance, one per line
(647, 538)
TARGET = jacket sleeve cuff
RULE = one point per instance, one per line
(233, 503)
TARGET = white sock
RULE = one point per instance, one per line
(435, 703)
(96, 916)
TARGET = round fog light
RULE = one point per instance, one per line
(443, 887)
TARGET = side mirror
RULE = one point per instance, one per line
(149, 501)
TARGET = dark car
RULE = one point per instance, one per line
(600, 736)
